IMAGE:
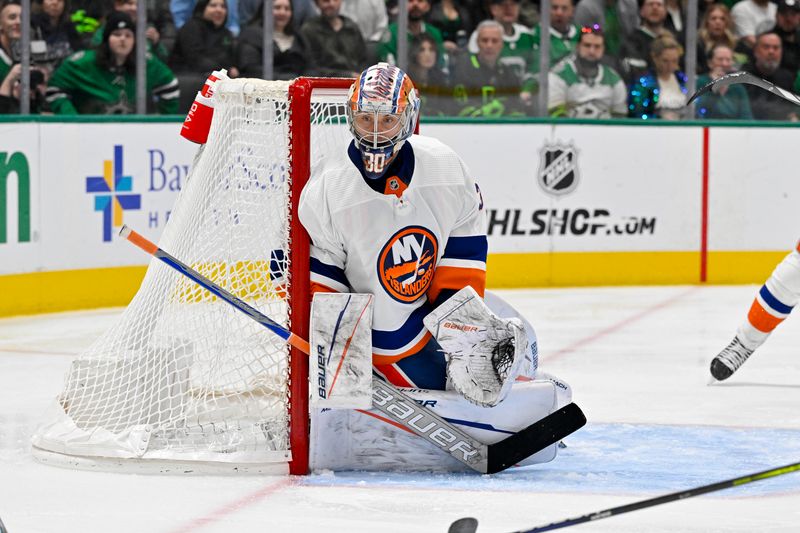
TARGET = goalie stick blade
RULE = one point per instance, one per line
(744, 77)
(536, 437)
(464, 525)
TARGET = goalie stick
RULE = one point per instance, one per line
(470, 525)
(744, 77)
(401, 410)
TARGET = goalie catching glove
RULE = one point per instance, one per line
(484, 353)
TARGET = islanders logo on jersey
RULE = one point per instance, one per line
(406, 263)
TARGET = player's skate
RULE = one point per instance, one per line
(730, 359)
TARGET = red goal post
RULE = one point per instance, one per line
(300, 93)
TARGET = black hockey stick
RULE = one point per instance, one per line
(400, 409)
(744, 77)
(466, 526)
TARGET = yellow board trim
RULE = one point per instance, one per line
(582, 269)
(46, 292)
(742, 267)
(66, 290)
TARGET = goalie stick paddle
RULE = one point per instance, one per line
(399, 409)
(744, 77)
(652, 502)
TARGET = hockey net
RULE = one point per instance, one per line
(183, 381)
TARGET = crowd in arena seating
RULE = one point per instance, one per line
(469, 58)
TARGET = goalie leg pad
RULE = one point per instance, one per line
(485, 353)
(349, 440)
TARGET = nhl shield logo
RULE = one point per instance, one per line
(558, 169)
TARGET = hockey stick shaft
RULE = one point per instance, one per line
(403, 411)
(681, 495)
(212, 287)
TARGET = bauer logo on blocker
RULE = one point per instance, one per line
(558, 169)
(406, 263)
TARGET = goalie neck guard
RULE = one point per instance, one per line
(382, 111)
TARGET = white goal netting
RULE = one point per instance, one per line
(183, 376)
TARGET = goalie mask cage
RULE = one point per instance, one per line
(183, 382)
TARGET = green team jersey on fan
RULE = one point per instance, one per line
(573, 95)
(5, 64)
(561, 45)
(517, 52)
(80, 85)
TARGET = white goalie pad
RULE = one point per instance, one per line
(484, 353)
(341, 345)
(352, 440)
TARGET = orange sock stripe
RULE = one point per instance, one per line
(456, 278)
(760, 318)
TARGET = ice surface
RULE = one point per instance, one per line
(637, 359)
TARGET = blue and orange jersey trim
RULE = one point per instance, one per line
(329, 278)
(463, 263)
(391, 346)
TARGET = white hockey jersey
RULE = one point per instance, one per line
(405, 249)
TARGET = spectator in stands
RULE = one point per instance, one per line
(184, 10)
(564, 33)
(103, 81)
(751, 17)
(10, 33)
(417, 12)
(730, 102)
(429, 79)
(370, 17)
(335, 42)
(454, 22)
(766, 64)
(204, 43)
(11, 90)
(617, 18)
(581, 86)
(635, 54)
(290, 52)
(52, 25)
(661, 92)
(787, 27)
(302, 10)
(484, 87)
(716, 29)
(518, 45)
(160, 36)
(676, 18)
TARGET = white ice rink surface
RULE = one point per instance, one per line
(637, 359)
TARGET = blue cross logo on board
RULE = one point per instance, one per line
(111, 193)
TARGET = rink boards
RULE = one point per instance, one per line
(567, 204)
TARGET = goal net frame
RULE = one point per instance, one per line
(54, 447)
